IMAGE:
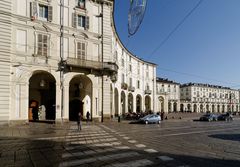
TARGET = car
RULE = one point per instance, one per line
(225, 117)
(151, 118)
(209, 117)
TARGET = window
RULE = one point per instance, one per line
(80, 21)
(122, 62)
(130, 82)
(81, 50)
(147, 74)
(123, 80)
(115, 56)
(138, 84)
(43, 12)
(81, 4)
(130, 67)
(147, 87)
(42, 45)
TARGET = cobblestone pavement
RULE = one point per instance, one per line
(113, 144)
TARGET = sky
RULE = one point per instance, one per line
(202, 46)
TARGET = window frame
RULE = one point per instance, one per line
(80, 50)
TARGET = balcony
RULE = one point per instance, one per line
(147, 91)
(131, 88)
(104, 67)
(124, 86)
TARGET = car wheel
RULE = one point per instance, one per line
(146, 122)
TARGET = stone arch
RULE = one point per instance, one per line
(147, 103)
(161, 103)
(42, 96)
(195, 108)
(213, 108)
(130, 102)
(181, 107)
(80, 96)
(123, 102)
(201, 107)
(138, 103)
(169, 107)
(189, 107)
(175, 106)
(116, 101)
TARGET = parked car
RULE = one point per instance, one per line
(209, 117)
(225, 117)
(151, 118)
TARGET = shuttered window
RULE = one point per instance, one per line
(40, 11)
(80, 21)
(42, 45)
(81, 50)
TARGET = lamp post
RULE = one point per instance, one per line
(101, 16)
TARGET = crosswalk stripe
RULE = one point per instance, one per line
(135, 163)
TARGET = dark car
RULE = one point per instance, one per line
(209, 117)
(151, 118)
(225, 117)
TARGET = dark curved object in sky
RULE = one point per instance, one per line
(135, 15)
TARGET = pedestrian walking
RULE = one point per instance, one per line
(162, 115)
(79, 121)
(88, 116)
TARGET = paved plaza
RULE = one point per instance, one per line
(173, 143)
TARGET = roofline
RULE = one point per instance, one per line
(206, 85)
(165, 80)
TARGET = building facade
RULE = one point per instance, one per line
(208, 98)
(168, 95)
(67, 58)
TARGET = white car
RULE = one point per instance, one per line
(151, 118)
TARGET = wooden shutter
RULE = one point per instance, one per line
(50, 13)
(76, 3)
(34, 9)
(74, 20)
(87, 23)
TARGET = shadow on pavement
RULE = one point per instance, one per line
(65, 150)
(233, 137)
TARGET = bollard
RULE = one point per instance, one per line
(119, 118)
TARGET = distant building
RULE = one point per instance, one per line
(196, 97)
(168, 94)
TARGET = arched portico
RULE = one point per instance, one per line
(130, 102)
(147, 103)
(123, 102)
(195, 108)
(116, 102)
(42, 96)
(80, 96)
(138, 103)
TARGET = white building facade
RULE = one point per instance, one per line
(197, 97)
(99, 74)
(168, 95)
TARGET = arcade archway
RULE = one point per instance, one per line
(42, 96)
(138, 104)
(80, 97)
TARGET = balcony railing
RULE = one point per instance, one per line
(147, 91)
(131, 88)
(124, 86)
(91, 64)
